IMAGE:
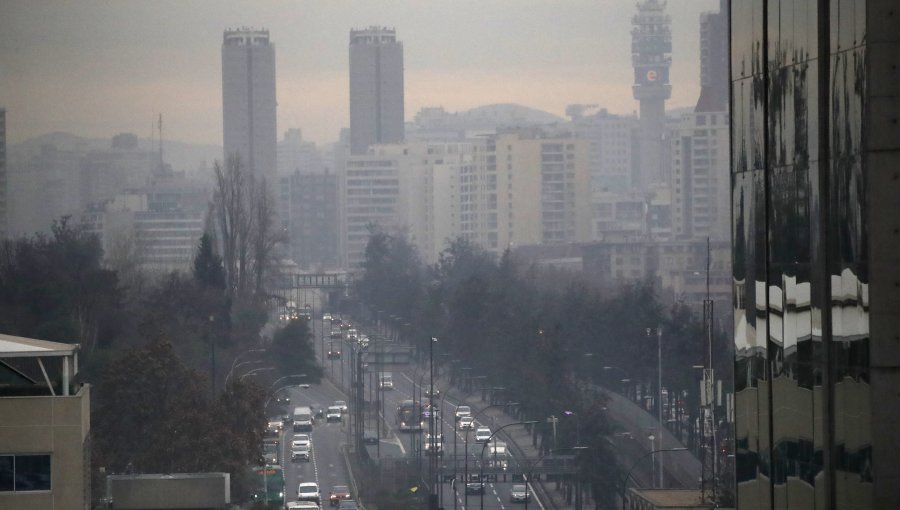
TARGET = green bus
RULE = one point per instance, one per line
(269, 486)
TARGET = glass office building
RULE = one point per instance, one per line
(815, 104)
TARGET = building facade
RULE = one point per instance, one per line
(248, 100)
(700, 177)
(815, 152)
(45, 427)
(311, 218)
(376, 88)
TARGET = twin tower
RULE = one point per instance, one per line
(249, 100)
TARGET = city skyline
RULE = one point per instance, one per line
(138, 60)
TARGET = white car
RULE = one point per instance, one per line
(302, 505)
(326, 317)
(309, 491)
(301, 440)
(463, 411)
(482, 434)
(333, 413)
(466, 423)
(342, 404)
(300, 453)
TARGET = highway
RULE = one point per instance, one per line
(327, 466)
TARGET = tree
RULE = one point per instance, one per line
(55, 288)
(208, 266)
(293, 352)
(154, 415)
(245, 226)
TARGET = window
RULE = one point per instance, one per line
(19, 473)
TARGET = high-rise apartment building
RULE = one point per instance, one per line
(714, 60)
(700, 178)
(294, 154)
(248, 100)
(4, 203)
(611, 141)
(537, 190)
(311, 218)
(376, 88)
(816, 233)
(651, 48)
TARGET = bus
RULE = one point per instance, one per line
(409, 416)
(269, 486)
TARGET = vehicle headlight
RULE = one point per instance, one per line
(280, 494)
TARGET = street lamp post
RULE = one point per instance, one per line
(633, 466)
(659, 404)
(494, 433)
(234, 363)
(255, 371)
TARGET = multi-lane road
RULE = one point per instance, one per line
(327, 465)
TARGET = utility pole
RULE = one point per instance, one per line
(708, 484)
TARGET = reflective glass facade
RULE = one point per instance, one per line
(801, 215)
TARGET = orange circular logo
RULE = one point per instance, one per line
(652, 75)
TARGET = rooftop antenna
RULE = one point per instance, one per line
(161, 164)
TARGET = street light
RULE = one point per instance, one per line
(233, 366)
(494, 433)
(255, 371)
(659, 394)
(251, 362)
(633, 466)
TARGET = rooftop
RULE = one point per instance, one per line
(20, 347)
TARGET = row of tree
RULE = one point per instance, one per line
(539, 332)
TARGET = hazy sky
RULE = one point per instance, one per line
(96, 68)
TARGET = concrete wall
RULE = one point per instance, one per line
(58, 426)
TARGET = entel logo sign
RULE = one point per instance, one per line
(652, 75)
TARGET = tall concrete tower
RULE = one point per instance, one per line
(651, 56)
(248, 100)
(376, 88)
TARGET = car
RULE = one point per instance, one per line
(352, 335)
(336, 333)
(433, 392)
(482, 434)
(274, 426)
(333, 414)
(386, 382)
(309, 491)
(370, 437)
(338, 494)
(300, 453)
(475, 488)
(363, 342)
(326, 316)
(270, 453)
(519, 493)
(342, 404)
(348, 504)
(283, 400)
(301, 440)
(463, 411)
(466, 423)
(302, 505)
(334, 352)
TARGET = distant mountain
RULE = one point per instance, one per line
(506, 114)
(180, 155)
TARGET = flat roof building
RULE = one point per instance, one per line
(45, 426)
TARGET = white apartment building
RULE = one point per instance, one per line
(700, 178)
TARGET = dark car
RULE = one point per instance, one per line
(348, 504)
(370, 437)
(475, 488)
(338, 494)
(334, 352)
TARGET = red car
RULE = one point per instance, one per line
(338, 493)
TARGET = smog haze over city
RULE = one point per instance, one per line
(96, 68)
